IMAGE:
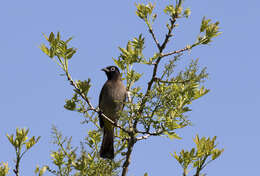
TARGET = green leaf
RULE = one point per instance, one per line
(70, 52)
(211, 30)
(70, 105)
(216, 153)
(119, 63)
(45, 49)
(51, 37)
(58, 36)
(4, 169)
(169, 9)
(68, 40)
(11, 139)
(196, 140)
(45, 37)
(41, 171)
(172, 135)
(144, 10)
(51, 52)
(84, 86)
(187, 12)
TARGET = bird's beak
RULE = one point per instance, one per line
(105, 70)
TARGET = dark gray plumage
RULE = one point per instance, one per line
(111, 99)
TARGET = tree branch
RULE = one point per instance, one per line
(130, 147)
(154, 37)
(169, 34)
(143, 137)
(200, 167)
(152, 134)
(176, 52)
(172, 82)
(150, 83)
(18, 159)
(148, 134)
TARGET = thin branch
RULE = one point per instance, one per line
(154, 37)
(206, 163)
(150, 83)
(171, 82)
(60, 144)
(143, 137)
(199, 168)
(151, 116)
(148, 134)
(17, 169)
(176, 52)
(169, 34)
(158, 133)
(23, 153)
(130, 147)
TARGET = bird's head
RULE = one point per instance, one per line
(112, 72)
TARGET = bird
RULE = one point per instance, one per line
(111, 102)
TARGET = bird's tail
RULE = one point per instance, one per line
(107, 146)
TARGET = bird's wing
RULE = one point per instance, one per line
(101, 122)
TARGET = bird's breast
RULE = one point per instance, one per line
(113, 96)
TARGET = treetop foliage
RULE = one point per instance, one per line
(158, 108)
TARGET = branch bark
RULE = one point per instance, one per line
(130, 147)
(17, 168)
(154, 37)
(171, 82)
(176, 52)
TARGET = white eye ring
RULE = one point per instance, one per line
(112, 69)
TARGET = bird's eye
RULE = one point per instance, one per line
(112, 69)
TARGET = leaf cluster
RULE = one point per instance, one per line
(158, 109)
(58, 48)
(198, 158)
(177, 11)
(68, 161)
(20, 141)
(133, 53)
(4, 169)
(208, 31)
(22, 144)
(143, 11)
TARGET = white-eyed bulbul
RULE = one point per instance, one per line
(111, 102)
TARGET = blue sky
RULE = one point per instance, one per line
(33, 93)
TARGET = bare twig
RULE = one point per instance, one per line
(200, 167)
(130, 147)
(172, 82)
(16, 170)
(17, 164)
(148, 134)
(158, 133)
(143, 137)
(168, 35)
(176, 52)
(154, 37)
